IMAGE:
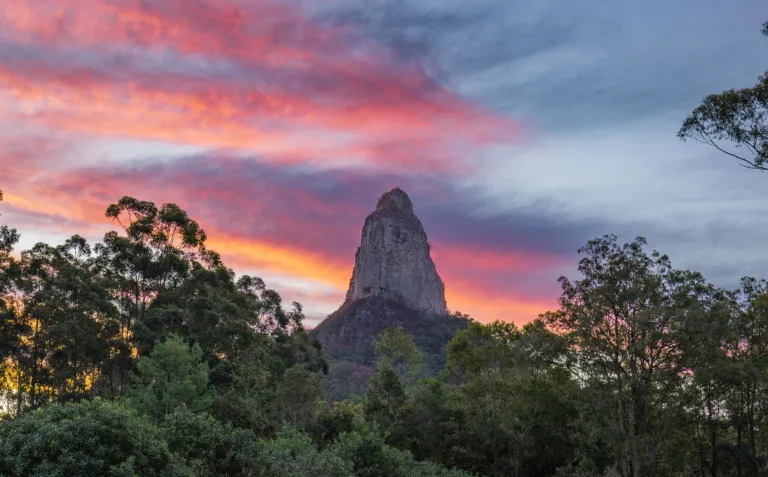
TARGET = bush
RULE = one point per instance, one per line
(292, 454)
(372, 457)
(209, 447)
(86, 439)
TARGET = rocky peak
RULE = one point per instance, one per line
(395, 199)
(393, 260)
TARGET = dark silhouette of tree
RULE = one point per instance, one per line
(738, 117)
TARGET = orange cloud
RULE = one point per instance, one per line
(305, 95)
(284, 259)
(487, 307)
(287, 258)
(468, 257)
(462, 295)
(259, 79)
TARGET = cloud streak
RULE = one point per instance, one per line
(260, 77)
(305, 224)
(278, 123)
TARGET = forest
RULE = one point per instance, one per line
(144, 355)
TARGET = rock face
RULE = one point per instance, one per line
(394, 284)
(393, 261)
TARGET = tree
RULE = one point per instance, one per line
(297, 396)
(384, 400)
(632, 321)
(155, 255)
(511, 405)
(205, 307)
(86, 439)
(333, 419)
(739, 117)
(12, 327)
(173, 375)
(8, 238)
(396, 350)
(209, 447)
(292, 454)
(433, 423)
(372, 457)
(65, 324)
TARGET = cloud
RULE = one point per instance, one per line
(294, 222)
(573, 65)
(260, 77)
(520, 130)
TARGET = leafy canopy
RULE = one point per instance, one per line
(735, 116)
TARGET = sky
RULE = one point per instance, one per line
(520, 129)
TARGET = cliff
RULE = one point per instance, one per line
(394, 283)
(393, 261)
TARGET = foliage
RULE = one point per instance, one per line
(87, 439)
(64, 318)
(396, 350)
(385, 399)
(634, 320)
(297, 396)
(371, 457)
(11, 327)
(352, 359)
(292, 454)
(509, 404)
(333, 419)
(208, 447)
(144, 355)
(736, 116)
(173, 375)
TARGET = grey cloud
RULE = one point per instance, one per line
(572, 65)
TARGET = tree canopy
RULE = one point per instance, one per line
(143, 354)
(736, 117)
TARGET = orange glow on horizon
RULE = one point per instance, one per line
(262, 80)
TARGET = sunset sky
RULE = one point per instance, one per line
(520, 129)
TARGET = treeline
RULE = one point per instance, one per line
(144, 355)
(644, 371)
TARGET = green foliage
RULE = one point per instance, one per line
(297, 396)
(633, 320)
(396, 350)
(353, 359)
(739, 117)
(385, 399)
(292, 454)
(173, 375)
(333, 419)
(245, 391)
(12, 328)
(643, 371)
(371, 457)
(64, 320)
(510, 410)
(8, 238)
(208, 447)
(87, 439)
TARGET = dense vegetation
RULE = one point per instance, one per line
(144, 355)
(349, 334)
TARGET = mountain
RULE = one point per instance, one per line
(394, 283)
(393, 260)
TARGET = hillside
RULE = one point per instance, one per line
(347, 337)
